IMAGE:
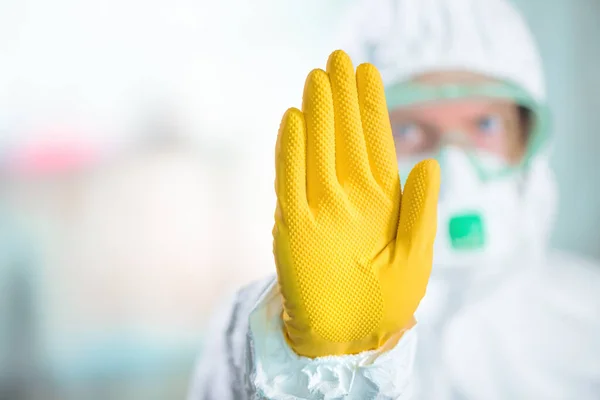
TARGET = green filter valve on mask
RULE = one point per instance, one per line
(466, 232)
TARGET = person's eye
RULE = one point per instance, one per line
(406, 132)
(490, 125)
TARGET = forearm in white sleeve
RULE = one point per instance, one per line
(276, 372)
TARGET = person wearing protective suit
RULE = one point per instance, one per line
(452, 91)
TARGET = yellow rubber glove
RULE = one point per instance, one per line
(352, 263)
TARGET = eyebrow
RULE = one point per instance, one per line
(500, 106)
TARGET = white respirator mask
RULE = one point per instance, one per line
(489, 221)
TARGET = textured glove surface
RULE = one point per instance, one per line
(353, 253)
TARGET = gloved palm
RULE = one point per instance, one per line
(352, 263)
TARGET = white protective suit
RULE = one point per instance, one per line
(525, 325)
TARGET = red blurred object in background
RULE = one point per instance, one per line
(54, 154)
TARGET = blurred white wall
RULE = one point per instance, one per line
(226, 66)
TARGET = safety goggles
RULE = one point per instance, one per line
(432, 141)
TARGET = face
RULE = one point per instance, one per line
(498, 127)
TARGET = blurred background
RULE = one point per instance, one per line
(136, 173)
